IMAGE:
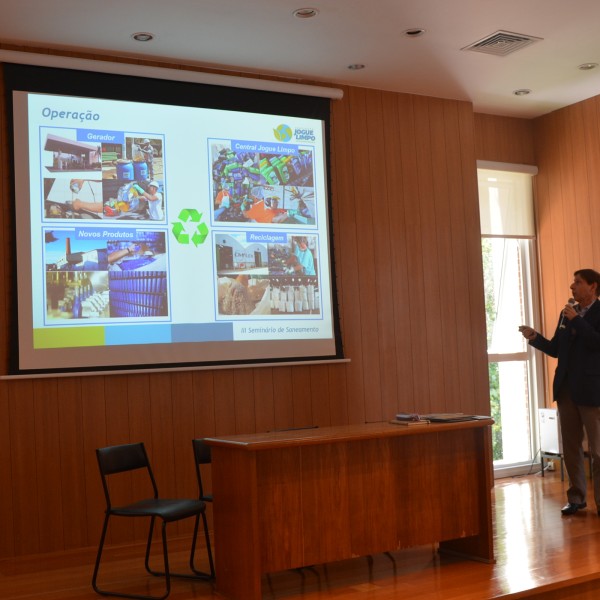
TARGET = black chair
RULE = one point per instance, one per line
(130, 457)
(202, 456)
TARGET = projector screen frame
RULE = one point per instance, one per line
(41, 80)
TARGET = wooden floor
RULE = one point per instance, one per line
(539, 554)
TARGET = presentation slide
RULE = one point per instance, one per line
(160, 234)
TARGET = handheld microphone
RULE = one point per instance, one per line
(563, 325)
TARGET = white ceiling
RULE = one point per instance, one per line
(263, 37)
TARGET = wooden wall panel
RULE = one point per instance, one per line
(415, 344)
(264, 399)
(364, 109)
(408, 273)
(381, 282)
(472, 319)
(431, 270)
(48, 470)
(94, 432)
(319, 393)
(504, 139)
(592, 160)
(346, 229)
(283, 401)
(181, 399)
(23, 483)
(466, 322)
(71, 455)
(399, 360)
(7, 546)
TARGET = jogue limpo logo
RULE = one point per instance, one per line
(283, 133)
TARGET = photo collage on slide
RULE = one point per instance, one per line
(102, 193)
(264, 273)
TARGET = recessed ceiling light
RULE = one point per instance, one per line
(413, 32)
(522, 92)
(356, 67)
(142, 36)
(587, 66)
(305, 13)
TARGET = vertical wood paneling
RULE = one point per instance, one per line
(584, 229)
(225, 417)
(557, 224)
(46, 443)
(160, 406)
(301, 396)
(431, 223)
(442, 146)
(338, 410)
(383, 197)
(94, 432)
(72, 463)
(504, 139)
(344, 199)
(398, 393)
(319, 396)
(408, 272)
(362, 105)
(202, 393)
(283, 398)
(264, 399)
(7, 546)
(415, 344)
(475, 396)
(243, 381)
(24, 485)
(181, 399)
(592, 160)
(460, 392)
(569, 224)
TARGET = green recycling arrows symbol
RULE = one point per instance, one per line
(189, 223)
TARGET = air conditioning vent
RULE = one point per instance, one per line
(502, 43)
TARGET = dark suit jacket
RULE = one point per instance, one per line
(577, 348)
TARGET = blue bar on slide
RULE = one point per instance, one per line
(124, 335)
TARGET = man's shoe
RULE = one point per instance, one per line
(572, 507)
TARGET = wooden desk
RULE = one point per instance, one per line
(289, 499)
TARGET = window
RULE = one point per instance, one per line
(511, 299)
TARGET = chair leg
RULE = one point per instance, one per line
(166, 573)
(123, 594)
(166, 558)
(202, 574)
(148, 548)
(99, 555)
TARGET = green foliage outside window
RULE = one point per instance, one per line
(494, 376)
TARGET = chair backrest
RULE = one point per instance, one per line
(122, 458)
(202, 456)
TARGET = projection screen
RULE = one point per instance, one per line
(167, 224)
